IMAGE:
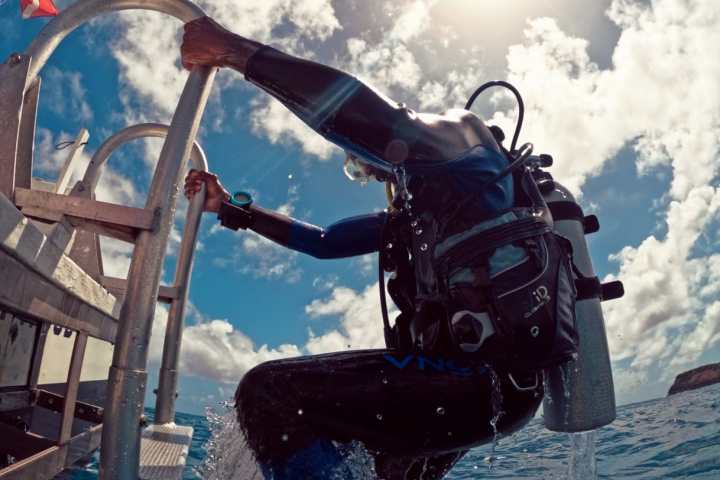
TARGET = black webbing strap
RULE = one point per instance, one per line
(566, 211)
(588, 287)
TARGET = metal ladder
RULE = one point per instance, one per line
(49, 280)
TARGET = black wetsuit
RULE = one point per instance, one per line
(415, 415)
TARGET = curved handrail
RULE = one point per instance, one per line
(141, 130)
(47, 40)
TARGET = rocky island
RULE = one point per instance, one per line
(696, 378)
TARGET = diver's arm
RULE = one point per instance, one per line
(347, 238)
(335, 104)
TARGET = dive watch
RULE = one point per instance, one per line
(235, 213)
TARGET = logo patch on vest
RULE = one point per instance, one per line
(541, 296)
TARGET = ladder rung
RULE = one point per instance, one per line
(106, 218)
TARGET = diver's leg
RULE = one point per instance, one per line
(398, 406)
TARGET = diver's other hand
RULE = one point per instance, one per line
(216, 193)
(206, 42)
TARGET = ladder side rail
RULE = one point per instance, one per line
(168, 379)
(14, 79)
(26, 136)
(71, 387)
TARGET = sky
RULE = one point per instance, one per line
(624, 94)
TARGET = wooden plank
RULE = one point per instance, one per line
(13, 77)
(23, 241)
(73, 379)
(26, 136)
(117, 287)
(27, 291)
(103, 213)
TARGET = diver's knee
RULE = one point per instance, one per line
(252, 383)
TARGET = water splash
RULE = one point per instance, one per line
(496, 400)
(227, 456)
(226, 448)
(565, 379)
(582, 464)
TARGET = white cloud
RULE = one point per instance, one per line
(660, 96)
(214, 349)
(656, 97)
(388, 65)
(271, 119)
(360, 320)
(64, 94)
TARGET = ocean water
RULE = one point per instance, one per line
(674, 437)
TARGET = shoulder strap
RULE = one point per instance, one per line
(389, 337)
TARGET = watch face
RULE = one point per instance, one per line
(241, 199)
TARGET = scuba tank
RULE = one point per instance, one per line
(579, 394)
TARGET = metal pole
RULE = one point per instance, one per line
(167, 384)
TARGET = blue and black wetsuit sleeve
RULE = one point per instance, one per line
(335, 104)
(347, 238)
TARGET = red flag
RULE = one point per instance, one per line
(37, 8)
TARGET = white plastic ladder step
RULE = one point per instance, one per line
(164, 451)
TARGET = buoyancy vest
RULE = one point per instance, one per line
(496, 287)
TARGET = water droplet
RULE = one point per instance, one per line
(389, 246)
(300, 412)
(414, 223)
(418, 231)
(424, 247)
(290, 176)
(385, 381)
(379, 416)
(284, 437)
(440, 411)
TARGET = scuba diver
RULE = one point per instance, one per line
(485, 289)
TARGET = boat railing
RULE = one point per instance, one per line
(64, 294)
